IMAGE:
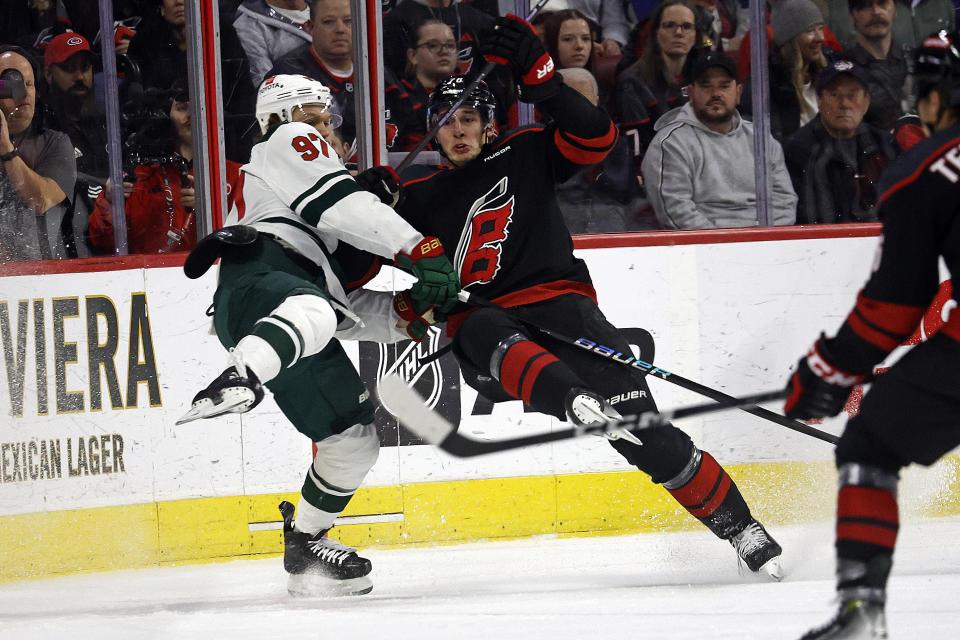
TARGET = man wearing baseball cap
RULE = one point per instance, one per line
(699, 169)
(835, 159)
(70, 107)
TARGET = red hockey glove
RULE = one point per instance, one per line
(437, 283)
(513, 42)
(819, 388)
(382, 182)
(412, 318)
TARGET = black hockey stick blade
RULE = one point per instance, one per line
(407, 405)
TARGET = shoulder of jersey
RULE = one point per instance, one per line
(918, 160)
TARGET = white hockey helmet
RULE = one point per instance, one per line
(282, 93)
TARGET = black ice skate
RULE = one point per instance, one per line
(860, 617)
(236, 390)
(588, 408)
(319, 566)
(758, 550)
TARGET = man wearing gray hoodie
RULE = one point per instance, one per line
(699, 169)
(270, 28)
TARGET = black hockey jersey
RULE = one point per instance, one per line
(498, 216)
(920, 212)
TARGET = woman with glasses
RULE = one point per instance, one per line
(651, 86)
(431, 57)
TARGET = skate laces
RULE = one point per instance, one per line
(752, 539)
(329, 550)
(235, 360)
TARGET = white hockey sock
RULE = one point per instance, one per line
(312, 520)
(259, 356)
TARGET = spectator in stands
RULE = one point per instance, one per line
(699, 169)
(465, 20)
(329, 59)
(797, 57)
(881, 57)
(835, 159)
(610, 17)
(160, 203)
(652, 85)
(160, 50)
(603, 198)
(432, 56)
(37, 171)
(914, 20)
(569, 38)
(70, 107)
(270, 28)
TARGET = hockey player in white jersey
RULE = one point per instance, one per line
(281, 303)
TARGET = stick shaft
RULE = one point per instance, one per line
(649, 369)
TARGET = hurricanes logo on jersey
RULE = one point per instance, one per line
(487, 226)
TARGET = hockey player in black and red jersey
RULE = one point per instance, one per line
(497, 205)
(912, 412)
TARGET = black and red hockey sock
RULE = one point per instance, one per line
(867, 525)
(710, 495)
(530, 373)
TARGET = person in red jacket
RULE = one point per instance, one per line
(160, 202)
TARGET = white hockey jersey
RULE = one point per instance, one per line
(296, 189)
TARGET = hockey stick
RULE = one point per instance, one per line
(645, 367)
(487, 69)
(407, 405)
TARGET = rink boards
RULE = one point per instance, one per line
(98, 364)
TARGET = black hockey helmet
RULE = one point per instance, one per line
(449, 90)
(936, 65)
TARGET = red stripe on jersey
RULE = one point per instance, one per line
(867, 502)
(883, 324)
(515, 363)
(536, 293)
(706, 490)
(933, 157)
(715, 501)
(599, 147)
(866, 532)
(533, 372)
(238, 196)
(365, 278)
(426, 177)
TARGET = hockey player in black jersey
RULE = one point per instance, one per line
(912, 412)
(497, 205)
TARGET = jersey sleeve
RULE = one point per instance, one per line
(308, 176)
(903, 283)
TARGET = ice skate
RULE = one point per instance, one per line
(319, 566)
(860, 617)
(588, 408)
(236, 390)
(758, 550)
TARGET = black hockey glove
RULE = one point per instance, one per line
(382, 182)
(414, 318)
(437, 283)
(513, 42)
(819, 388)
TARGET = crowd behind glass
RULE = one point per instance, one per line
(674, 75)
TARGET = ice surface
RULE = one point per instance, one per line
(673, 586)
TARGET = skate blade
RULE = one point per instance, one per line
(773, 568)
(311, 585)
(236, 400)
